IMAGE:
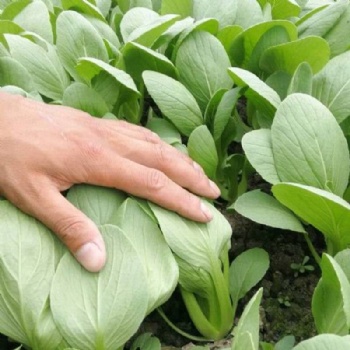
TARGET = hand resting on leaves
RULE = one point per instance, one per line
(45, 149)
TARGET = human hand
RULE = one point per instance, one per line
(45, 149)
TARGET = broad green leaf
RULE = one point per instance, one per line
(272, 37)
(282, 9)
(331, 299)
(287, 57)
(257, 146)
(286, 343)
(302, 153)
(327, 212)
(332, 88)
(14, 73)
(44, 66)
(212, 107)
(104, 29)
(258, 93)
(29, 254)
(194, 242)
(84, 7)
(174, 101)
(9, 27)
(81, 96)
(343, 258)
(279, 81)
(223, 10)
(160, 266)
(201, 148)
(89, 67)
(242, 48)
(224, 111)
(139, 58)
(228, 34)
(101, 310)
(248, 323)
(14, 8)
(252, 8)
(76, 38)
(246, 271)
(165, 130)
(15, 90)
(179, 7)
(301, 80)
(264, 209)
(100, 204)
(203, 77)
(324, 342)
(35, 18)
(144, 26)
(104, 6)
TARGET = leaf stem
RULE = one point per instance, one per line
(178, 330)
(312, 248)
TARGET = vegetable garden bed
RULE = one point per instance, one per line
(244, 87)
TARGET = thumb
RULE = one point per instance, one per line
(75, 230)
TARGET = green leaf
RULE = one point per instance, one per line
(331, 299)
(165, 130)
(287, 57)
(300, 134)
(101, 310)
(257, 145)
(301, 80)
(13, 73)
(146, 341)
(29, 254)
(248, 323)
(139, 58)
(84, 7)
(35, 18)
(286, 343)
(255, 13)
(89, 67)
(282, 9)
(228, 34)
(76, 38)
(327, 212)
(179, 7)
(343, 258)
(324, 342)
(159, 264)
(174, 101)
(201, 148)
(126, 5)
(224, 111)
(9, 27)
(264, 209)
(47, 73)
(258, 93)
(242, 48)
(278, 81)
(194, 242)
(203, 77)
(144, 26)
(246, 271)
(223, 10)
(100, 204)
(332, 88)
(81, 96)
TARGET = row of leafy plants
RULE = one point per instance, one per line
(184, 69)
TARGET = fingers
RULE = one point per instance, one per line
(152, 184)
(74, 229)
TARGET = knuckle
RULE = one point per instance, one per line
(92, 150)
(70, 228)
(163, 155)
(156, 180)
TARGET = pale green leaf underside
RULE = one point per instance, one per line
(101, 310)
(327, 212)
(264, 209)
(324, 342)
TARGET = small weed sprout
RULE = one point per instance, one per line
(302, 267)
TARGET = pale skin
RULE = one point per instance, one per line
(46, 149)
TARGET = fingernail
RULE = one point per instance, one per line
(91, 257)
(206, 211)
(198, 167)
(215, 188)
